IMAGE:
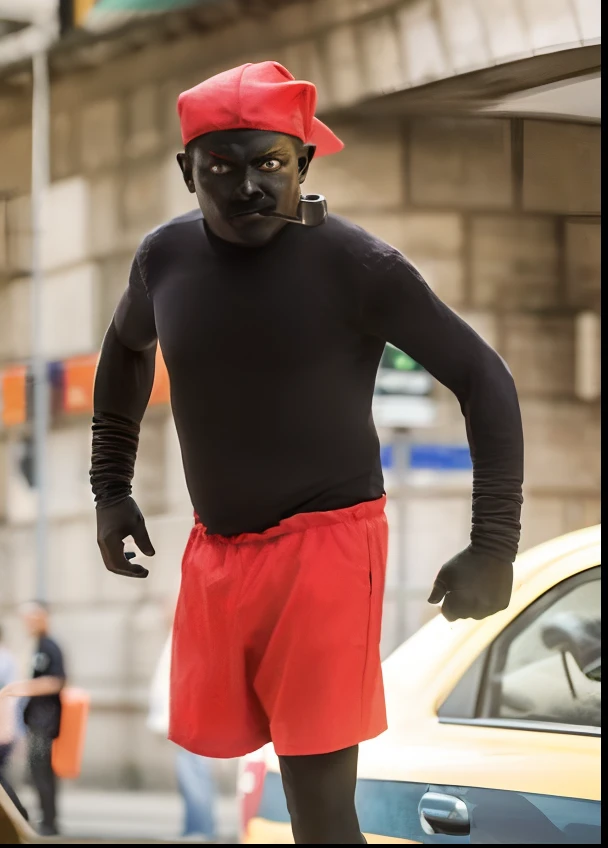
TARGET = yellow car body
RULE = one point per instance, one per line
(531, 775)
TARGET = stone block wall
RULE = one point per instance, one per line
(480, 207)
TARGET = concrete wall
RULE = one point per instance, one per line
(500, 216)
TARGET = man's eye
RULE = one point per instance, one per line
(270, 165)
(220, 168)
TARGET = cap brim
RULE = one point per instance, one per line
(325, 140)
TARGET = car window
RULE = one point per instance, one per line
(546, 666)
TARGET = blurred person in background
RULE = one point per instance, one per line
(8, 718)
(272, 333)
(194, 773)
(42, 712)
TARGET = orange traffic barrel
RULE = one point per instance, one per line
(68, 748)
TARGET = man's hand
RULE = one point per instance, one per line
(115, 523)
(473, 585)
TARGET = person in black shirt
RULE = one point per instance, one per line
(272, 334)
(8, 722)
(8, 675)
(42, 713)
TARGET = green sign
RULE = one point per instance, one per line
(397, 360)
(399, 374)
(143, 5)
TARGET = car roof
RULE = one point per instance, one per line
(540, 556)
(439, 641)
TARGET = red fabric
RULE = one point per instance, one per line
(261, 96)
(277, 636)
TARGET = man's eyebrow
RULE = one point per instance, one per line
(274, 151)
(267, 154)
(223, 158)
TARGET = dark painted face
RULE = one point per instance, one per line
(236, 172)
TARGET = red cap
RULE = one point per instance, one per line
(262, 96)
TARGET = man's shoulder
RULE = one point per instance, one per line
(167, 231)
(8, 666)
(49, 658)
(48, 645)
(357, 242)
(181, 221)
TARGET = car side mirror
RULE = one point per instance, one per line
(581, 637)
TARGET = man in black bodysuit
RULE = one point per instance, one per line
(272, 334)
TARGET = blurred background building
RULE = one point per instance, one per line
(472, 144)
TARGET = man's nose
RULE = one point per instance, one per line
(249, 190)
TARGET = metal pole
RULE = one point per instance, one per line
(40, 182)
(401, 467)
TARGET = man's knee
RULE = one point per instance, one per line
(320, 793)
(323, 797)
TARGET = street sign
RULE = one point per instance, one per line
(401, 392)
(403, 411)
(399, 374)
(440, 457)
(140, 5)
(430, 457)
(387, 456)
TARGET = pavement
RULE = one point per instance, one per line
(93, 815)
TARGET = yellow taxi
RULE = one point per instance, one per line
(494, 725)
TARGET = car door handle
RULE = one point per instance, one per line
(443, 814)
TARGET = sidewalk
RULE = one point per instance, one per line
(91, 815)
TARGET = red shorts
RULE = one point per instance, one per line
(277, 636)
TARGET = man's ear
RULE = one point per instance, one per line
(185, 165)
(304, 160)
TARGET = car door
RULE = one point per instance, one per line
(526, 719)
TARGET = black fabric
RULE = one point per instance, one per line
(272, 355)
(116, 440)
(43, 712)
(39, 753)
(320, 794)
(11, 792)
(5, 753)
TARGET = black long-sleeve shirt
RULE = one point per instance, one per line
(272, 355)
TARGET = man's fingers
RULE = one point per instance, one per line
(116, 561)
(462, 604)
(142, 540)
(437, 592)
(459, 604)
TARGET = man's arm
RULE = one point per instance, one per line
(33, 688)
(49, 683)
(399, 307)
(123, 383)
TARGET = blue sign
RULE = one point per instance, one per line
(441, 457)
(430, 457)
(386, 456)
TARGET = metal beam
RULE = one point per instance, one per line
(28, 11)
(43, 19)
(21, 46)
(40, 184)
(32, 43)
